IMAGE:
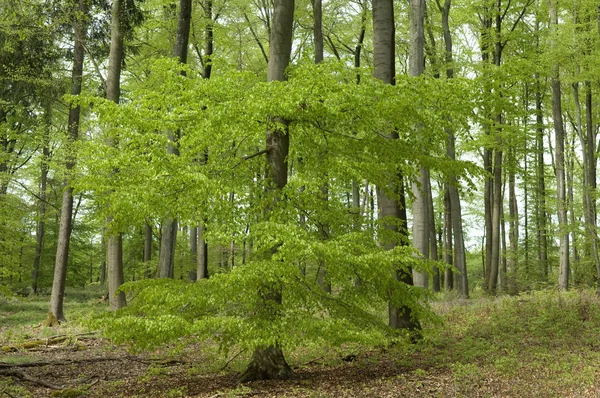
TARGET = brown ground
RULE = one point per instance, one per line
(97, 369)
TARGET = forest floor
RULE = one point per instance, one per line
(543, 344)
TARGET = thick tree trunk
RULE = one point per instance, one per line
(66, 214)
(269, 362)
(166, 260)
(391, 211)
(115, 272)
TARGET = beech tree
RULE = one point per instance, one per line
(66, 217)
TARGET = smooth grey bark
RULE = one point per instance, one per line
(66, 212)
(421, 188)
(591, 178)
(559, 131)
(166, 259)
(513, 229)
(391, 206)
(453, 199)
(208, 40)
(41, 223)
(114, 256)
(269, 362)
(588, 160)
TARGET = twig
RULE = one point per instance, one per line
(228, 362)
(311, 361)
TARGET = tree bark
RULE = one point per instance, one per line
(542, 234)
(421, 188)
(269, 362)
(392, 212)
(66, 213)
(148, 250)
(41, 224)
(202, 271)
(559, 131)
(166, 260)
(113, 93)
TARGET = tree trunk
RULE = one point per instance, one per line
(591, 157)
(421, 188)
(513, 231)
(113, 93)
(542, 232)
(391, 212)
(559, 130)
(202, 272)
(66, 213)
(41, 224)
(148, 250)
(269, 362)
(166, 260)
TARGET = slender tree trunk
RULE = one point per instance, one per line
(421, 188)
(66, 213)
(202, 272)
(542, 232)
(447, 238)
(113, 93)
(41, 224)
(513, 232)
(592, 158)
(269, 362)
(453, 199)
(559, 130)
(148, 250)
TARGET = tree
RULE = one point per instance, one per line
(166, 262)
(391, 200)
(113, 93)
(66, 216)
(563, 278)
(269, 362)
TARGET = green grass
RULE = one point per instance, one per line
(544, 342)
(22, 317)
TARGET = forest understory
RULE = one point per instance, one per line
(533, 345)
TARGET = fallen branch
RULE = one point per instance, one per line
(309, 362)
(24, 376)
(4, 365)
(39, 342)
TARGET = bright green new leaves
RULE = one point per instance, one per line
(337, 131)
